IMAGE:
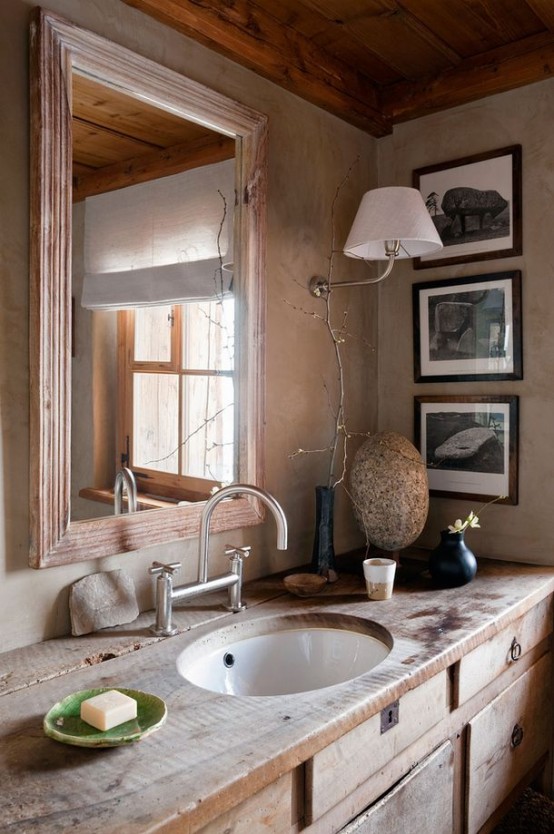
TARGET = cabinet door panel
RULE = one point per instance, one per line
(421, 803)
(505, 740)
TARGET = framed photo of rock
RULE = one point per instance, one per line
(469, 445)
(475, 204)
(468, 329)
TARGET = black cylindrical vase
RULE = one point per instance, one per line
(323, 555)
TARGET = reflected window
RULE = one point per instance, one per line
(177, 397)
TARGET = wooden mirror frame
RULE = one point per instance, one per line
(58, 48)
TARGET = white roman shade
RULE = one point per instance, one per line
(157, 242)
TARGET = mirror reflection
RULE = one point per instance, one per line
(147, 379)
(154, 389)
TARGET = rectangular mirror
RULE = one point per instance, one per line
(169, 387)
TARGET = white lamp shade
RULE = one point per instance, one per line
(392, 213)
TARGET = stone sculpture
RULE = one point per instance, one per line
(389, 489)
(461, 203)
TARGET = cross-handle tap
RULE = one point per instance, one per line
(236, 557)
(164, 588)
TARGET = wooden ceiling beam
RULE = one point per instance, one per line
(153, 165)
(498, 71)
(247, 34)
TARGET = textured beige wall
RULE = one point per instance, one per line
(309, 153)
(525, 117)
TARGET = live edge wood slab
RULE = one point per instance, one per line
(215, 750)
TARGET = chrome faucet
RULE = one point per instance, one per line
(125, 480)
(166, 594)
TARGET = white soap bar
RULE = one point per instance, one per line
(109, 709)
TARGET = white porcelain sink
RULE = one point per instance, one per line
(284, 655)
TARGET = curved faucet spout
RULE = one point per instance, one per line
(226, 492)
(125, 480)
(166, 594)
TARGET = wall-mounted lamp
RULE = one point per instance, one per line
(391, 223)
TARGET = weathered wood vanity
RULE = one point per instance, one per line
(443, 733)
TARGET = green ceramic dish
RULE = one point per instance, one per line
(63, 722)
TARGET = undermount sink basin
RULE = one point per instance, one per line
(284, 655)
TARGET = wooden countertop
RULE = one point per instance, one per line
(216, 750)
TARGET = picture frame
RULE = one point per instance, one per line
(469, 445)
(475, 204)
(468, 329)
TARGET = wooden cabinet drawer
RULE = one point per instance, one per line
(505, 740)
(421, 803)
(485, 663)
(340, 768)
(269, 810)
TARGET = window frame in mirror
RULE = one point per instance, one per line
(58, 48)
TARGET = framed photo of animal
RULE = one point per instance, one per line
(468, 329)
(469, 445)
(475, 204)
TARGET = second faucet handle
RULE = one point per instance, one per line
(242, 552)
(169, 569)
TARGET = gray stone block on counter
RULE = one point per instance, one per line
(102, 600)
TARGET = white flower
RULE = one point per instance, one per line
(471, 521)
(459, 526)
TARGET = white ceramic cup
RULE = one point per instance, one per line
(379, 577)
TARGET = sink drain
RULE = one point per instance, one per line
(228, 660)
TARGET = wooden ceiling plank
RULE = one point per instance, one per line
(98, 104)
(345, 48)
(250, 36)
(151, 166)
(474, 28)
(330, 36)
(512, 20)
(501, 70)
(544, 9)
(392, 33)
(98, 146)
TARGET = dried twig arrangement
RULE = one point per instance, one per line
(338, 445)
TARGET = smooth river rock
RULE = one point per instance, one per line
(389, 489)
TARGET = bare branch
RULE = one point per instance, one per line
(189, 437)
(300, 452)
(338, 335)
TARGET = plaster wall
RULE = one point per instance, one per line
(310, 152)
(526, 117)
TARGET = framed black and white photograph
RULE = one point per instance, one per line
(468, 329)
(469, 445)
(475, 204)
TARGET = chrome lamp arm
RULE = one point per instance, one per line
(320, 286)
